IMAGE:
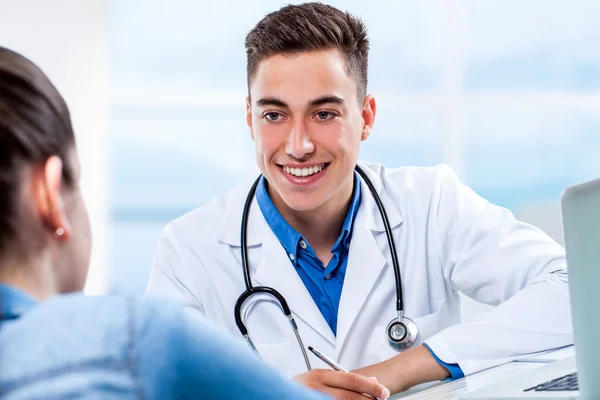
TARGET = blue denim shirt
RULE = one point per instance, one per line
(76, 346)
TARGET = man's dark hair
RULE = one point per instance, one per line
(310, 27)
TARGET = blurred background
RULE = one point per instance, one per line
(505, 92)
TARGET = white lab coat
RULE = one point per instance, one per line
(449, 240)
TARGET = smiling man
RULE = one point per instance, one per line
(317, 235)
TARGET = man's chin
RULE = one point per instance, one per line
(303, 203)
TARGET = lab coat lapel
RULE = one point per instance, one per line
(234, 207)
(271, 267)
(366, 257)
(276, 271)
(365, 263)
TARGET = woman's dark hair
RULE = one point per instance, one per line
(34, 125)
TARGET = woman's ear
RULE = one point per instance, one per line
(48, 197)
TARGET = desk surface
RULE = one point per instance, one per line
(451, 390)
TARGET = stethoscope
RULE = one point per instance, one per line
(401, 332)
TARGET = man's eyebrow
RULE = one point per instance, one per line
(326, 100)
(271, 101)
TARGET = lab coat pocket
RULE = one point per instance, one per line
(431, 324)
(277, 355)
(378, 349)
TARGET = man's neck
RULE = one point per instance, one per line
(321, 227)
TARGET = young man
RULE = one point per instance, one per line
(315, 234)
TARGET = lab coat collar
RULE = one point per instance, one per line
(366, 258)
(373, 218)
(233, 208)
(257, 224)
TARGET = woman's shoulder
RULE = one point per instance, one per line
(70, 333)
(90, 315)
(92, 324)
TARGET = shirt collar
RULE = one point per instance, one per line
(287, 235)
(14, 302)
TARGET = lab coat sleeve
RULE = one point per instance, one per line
(168, 274)
(494, 259)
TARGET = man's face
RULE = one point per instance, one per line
(307, 124)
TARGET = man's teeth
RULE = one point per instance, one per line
(307, 171)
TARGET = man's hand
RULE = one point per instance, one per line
(343, 385)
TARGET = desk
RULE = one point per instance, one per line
(452, 389)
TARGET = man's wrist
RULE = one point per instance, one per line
(416, 366)
(407, 369)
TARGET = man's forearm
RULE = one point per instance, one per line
(407, 369)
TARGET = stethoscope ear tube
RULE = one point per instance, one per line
(251, 292)
(390, 239)
(243, 232)
(284, 307)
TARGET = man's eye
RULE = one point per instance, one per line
(324, 115)
(273, 116)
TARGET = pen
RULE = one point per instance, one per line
(330, 362)
(327, 360)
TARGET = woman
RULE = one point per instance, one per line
(59, 345)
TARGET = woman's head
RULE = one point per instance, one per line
(43, 219)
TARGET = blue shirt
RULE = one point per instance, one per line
(323, 283)
(113, 347)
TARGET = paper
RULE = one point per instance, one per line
(549, 356)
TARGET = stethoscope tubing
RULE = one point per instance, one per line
(251, 290)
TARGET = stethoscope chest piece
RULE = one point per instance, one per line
(401, 333)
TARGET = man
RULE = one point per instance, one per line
(315, 233)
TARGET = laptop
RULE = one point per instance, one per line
(577, 376)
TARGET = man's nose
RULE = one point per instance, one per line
(299, 143)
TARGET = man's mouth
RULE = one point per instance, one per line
(304, 171)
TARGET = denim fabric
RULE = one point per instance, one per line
(76, 346)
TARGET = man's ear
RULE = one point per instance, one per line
(368, 115)
(48, 197)
(249, 116)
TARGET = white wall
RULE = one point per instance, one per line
(68, 40)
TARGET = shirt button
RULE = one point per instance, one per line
(328, 276)
(348, 245)
(303, 244)
(292, 257)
